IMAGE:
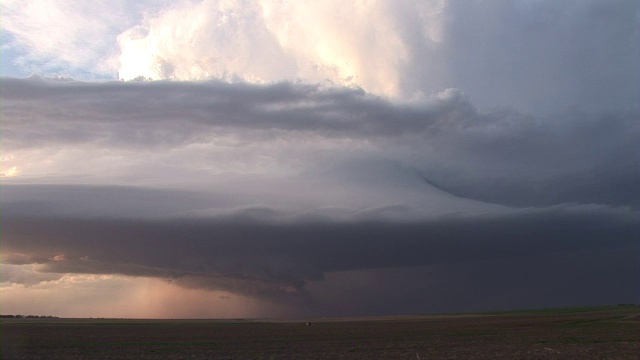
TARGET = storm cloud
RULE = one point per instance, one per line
(398, 157)
(501, 156)
(347, 182)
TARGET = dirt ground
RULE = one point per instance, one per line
(603, 333)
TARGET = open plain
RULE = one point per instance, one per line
(576, 333)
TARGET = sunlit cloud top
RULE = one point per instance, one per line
(577, 54)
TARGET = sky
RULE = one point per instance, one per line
(247, 158)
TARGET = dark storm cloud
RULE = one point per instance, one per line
(376, 185)
(584, 277)
(523, 161)
(502, 156)
(250, 253)
(520, 189)
(169, 113)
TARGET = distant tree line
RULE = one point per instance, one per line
(29, 316)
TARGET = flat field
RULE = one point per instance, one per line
(576, 333)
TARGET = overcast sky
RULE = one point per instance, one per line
(318, 158)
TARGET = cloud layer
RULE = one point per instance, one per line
(320, 158)
(267, 190)
(340, 135)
